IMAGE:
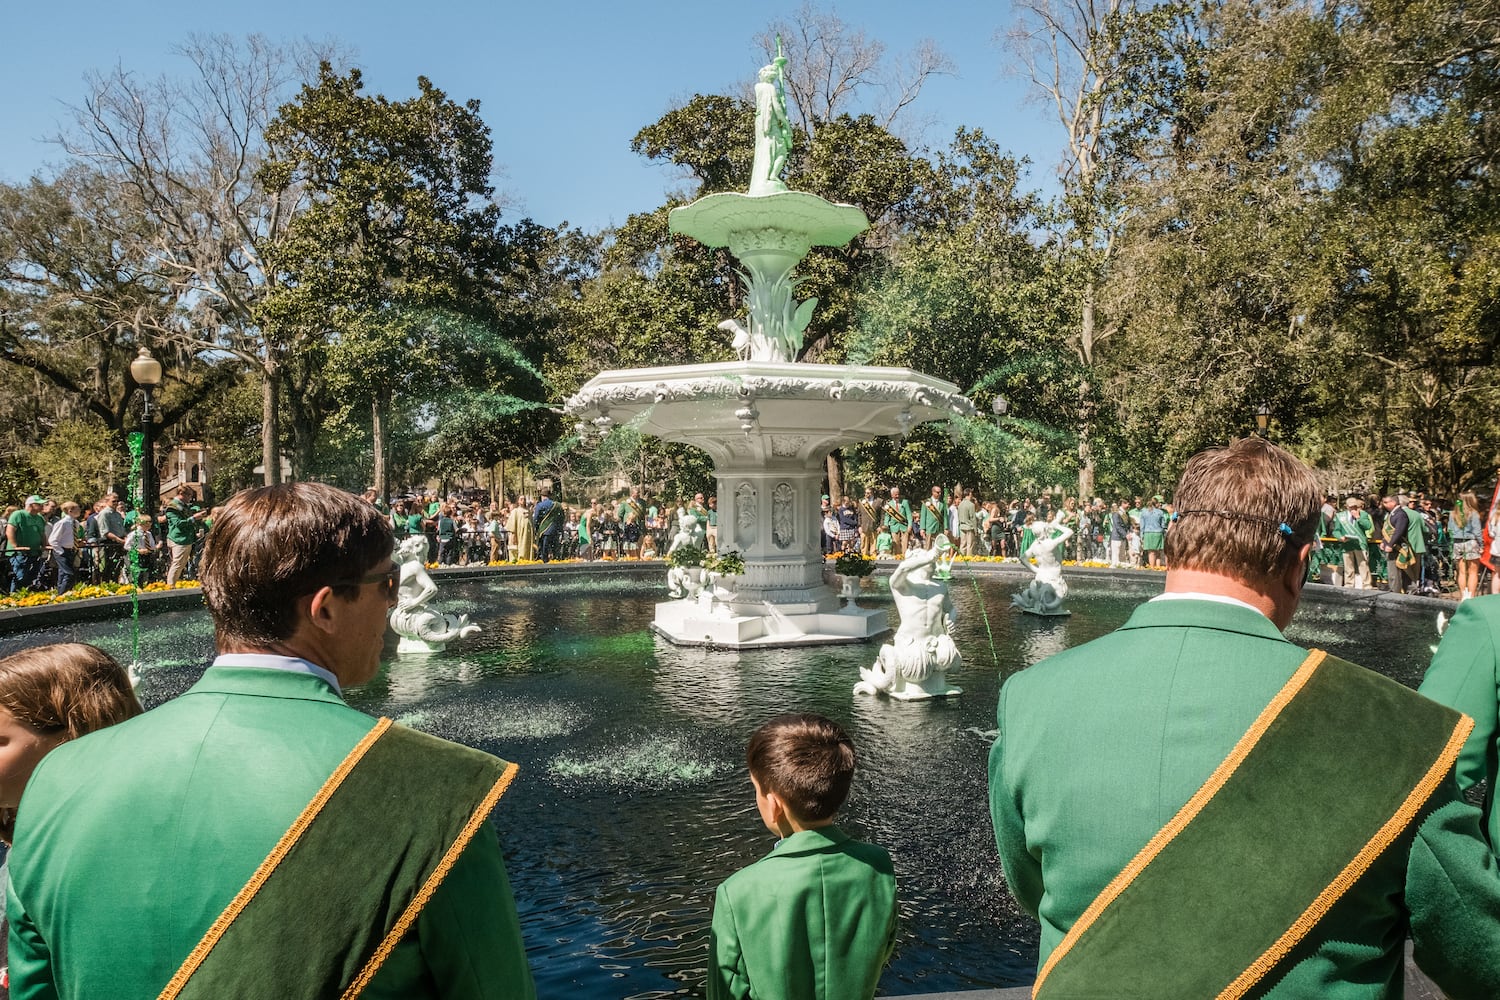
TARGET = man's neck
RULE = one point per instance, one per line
(1193, 581)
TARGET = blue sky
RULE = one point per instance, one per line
(563, 85)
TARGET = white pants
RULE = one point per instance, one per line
(1117, 553)
(180, 554)
(1357, 569)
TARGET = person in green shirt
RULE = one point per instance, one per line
(1353, 528)
(184, 520)
(1465, 675)
(898, 519)
(1194, 785)
(817, 916)
(364, 846)
(25, 545)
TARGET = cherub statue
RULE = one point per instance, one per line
(422, 630)
(685, 581)
(687, 531)
(915, 663)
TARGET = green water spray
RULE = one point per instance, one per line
(985, 615)
(136, 442)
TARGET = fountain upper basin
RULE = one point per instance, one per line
(764, 414)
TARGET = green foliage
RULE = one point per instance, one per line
(687, 555)
(17, 480)
(711, 136)
(729, 563)
(76, 462)
(853, 564)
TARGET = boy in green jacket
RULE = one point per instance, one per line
(816, 918)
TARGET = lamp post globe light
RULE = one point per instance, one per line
(1262, 419)
(1001, 406)
(146, 371)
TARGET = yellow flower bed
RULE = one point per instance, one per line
(28, 599)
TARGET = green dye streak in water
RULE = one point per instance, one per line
(985, 616)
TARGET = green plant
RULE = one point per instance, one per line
(729, 563)
(853, 564)
(687, 555)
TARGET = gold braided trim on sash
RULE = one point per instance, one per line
(424, 895)
(1186, 814)
(1341, 884)
(288, 840)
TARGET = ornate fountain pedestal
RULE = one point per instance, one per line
(768, 427)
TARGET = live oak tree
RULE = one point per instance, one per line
(394, 268)
(79, 294)
(188, 151)
(1316, 234)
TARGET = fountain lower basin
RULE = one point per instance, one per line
(768, 427)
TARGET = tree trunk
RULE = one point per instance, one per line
(377, 437)
(835, 478)
(270, 423)
(1085, 404)
(1085, 443)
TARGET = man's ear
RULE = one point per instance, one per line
(1296, 575)
(320, 609)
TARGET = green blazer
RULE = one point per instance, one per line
(1101, 745)
(813, 920)
(1465, 674)
(132, 840)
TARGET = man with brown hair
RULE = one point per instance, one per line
(256, 836)
(1193, 806)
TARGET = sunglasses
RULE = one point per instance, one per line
(388, 580)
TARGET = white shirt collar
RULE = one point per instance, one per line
(270, 661)
(1216, 598)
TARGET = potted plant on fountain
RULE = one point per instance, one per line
(851, 568)
(685, 571)
(724, 571)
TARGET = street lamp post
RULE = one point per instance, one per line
(1000, 407)
(146, 371)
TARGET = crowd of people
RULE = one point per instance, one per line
(1408, 543)
(473, 532)
(53, 546)
(1114, 806)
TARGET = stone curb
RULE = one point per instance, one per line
(104, 608)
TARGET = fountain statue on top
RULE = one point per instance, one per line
(915, 664)
(770, 229)
(422, 629)
(1044, 595)
(768, 421)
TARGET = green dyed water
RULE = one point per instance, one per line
(633, 803)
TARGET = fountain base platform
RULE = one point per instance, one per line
(699, 623)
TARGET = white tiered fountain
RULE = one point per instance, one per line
(767, 421)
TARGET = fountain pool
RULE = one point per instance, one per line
(633, 803)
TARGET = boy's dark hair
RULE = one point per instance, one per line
(807, 760)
